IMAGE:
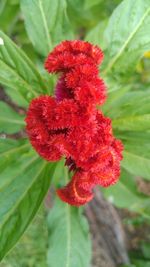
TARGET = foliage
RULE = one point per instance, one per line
(31, 249)
(36, 27)
(67, 224)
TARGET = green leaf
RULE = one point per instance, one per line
(141, 263)
(116, 92)
(136, 142)
(95, 35)
(123, 102)
(132, 103)
(135, 123)
(136, 164)
(16, 97)
(17, 71)
(145, 247)
(124, 194)
(8, 15)
(127, 35)
(38, 14)
(10, 121)
(45, 20)
(68, 237)
(136, 138)
(88, 3)
(23, 185)
(9, 150)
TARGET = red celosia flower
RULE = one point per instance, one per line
(79, 190)
(69, 124)
(72, 53)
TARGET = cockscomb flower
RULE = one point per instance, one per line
(69, 125)
(77, 62)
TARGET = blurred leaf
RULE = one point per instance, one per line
(123, 102)
(10, 121)
(31, 249)
(136, 164)
(136, 123)
(17, 71)
(95, 35)
(131, 103)
(68, 237)
(145, 246)
(77, 14)
(124, 194)
(127, 35)
(58, 175)
(45, 20)
(136, 142)
(8, 15)
(133, 137)
(23, 185)
(16, 97)
(83, 18)
(141, 263)
(88, 3)
(116, 93)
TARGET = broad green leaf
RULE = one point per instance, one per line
(23, 185)
(142, 147)
(124, 194)
(135, 142)
(130, 104)
(10, 121)
(137, 164)
(123, 102)
(68, 237)
(135, 123)
(17, 71)
(38, 14)
(127, 35)
(136, 138)
(45, 23)
(9, 150)
(114, 100)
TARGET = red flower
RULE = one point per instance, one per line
(78, 191)
(69, 124)
(72, 53)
